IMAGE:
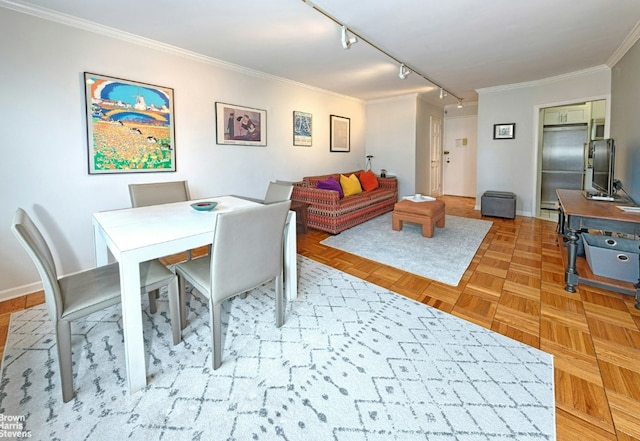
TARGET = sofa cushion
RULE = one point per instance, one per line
(350, 185)
(369, 181)
(331, 184)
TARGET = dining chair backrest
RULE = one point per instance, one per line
(277, 192)
(156, 193)
(247, 249)
(37, 248)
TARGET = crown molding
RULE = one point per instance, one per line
(628, 42)
(543, 81)
(89, 26)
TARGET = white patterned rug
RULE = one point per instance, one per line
(352, 362)
(443, 258)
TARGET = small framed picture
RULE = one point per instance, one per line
(504, 131)
(301, 128)
(240, 125)
(340, 133)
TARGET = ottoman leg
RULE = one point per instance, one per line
(440, 222)
(396, 223)
(427, 228)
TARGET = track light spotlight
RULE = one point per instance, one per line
(404, 72)
(347, 40)
(460, 103)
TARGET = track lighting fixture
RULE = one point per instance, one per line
(347, 40)
(404, 72)
(460, 104)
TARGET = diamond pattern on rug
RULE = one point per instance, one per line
(353, 362)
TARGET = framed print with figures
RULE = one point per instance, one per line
(239, 125)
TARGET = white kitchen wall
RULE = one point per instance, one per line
(511, 165)
(44, 147)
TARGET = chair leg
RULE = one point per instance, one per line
(279, 300)
(216, 333)
(182, 295)
(153, 296)
(63, 343)
(175, 311)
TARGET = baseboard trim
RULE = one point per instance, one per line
(20, 291)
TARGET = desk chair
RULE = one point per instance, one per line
(247, 252)
(78, 295)
(157, 193)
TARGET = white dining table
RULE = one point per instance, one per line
(135, 235)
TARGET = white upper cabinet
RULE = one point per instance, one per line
(575, 114)
(598, 109)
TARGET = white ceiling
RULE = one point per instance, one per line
(462, 45)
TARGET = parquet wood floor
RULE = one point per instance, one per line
(515, 286)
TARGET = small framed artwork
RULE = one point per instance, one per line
(504, 131)
(239, 125)
(301, 128)
(340, 133)
(130, 126)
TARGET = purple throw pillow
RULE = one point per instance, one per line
(331, 184)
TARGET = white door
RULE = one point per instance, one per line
(460, 153)
(436, 156)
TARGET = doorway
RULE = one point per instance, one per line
(460, 156)
(436, 156)
(566, 132)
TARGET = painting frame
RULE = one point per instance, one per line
(339, 134)
(504, 131)
(250, 128)
(130, 126)
(302, 129)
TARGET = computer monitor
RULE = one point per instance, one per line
(603, 164)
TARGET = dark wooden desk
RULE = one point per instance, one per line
(301, 215)
(577, 213)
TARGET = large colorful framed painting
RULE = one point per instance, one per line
(130, 126)
(239, 125)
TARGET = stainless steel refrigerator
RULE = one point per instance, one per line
(564, 160)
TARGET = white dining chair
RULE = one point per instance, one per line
(76, 296)
(157, 193)
(247, 252)
(277, 191)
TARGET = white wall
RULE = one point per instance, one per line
(391, 139)
(511, 165)
(44, 160)
(625, 129)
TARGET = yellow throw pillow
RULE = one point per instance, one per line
(350, 185)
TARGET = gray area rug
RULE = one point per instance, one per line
(443, 258)
(352, 362)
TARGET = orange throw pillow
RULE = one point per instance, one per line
(369, 181)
